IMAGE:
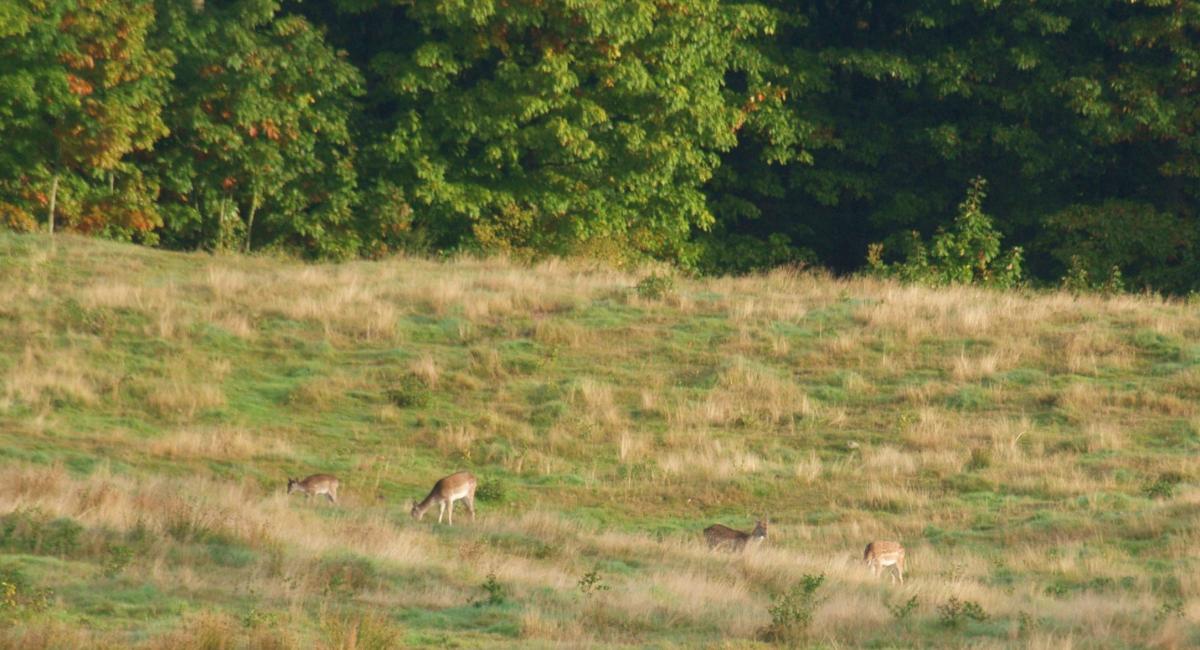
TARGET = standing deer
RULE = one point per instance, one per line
(881, 554)
(445, 492)
(718, 536)
(316, 484)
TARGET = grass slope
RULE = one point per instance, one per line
(1035, 454)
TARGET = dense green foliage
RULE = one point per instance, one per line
(724, 136)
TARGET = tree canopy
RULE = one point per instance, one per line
(719, 135)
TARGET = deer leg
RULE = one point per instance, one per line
(900, 570)
(471, 506)
(441, 510)
(451, 512)
(332, 499)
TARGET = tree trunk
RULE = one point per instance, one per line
(220, 243)
(53, 200)
(250, 219)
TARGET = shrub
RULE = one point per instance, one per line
(1169, 609)
(591, 583)
(1078, 280)
(18, 597)
(410, 391)
(1101, 243)
(1164, 486)
(902, 611)
(15, 219)
(955, 612)
(494, 491)
(495, 592)
(966, 253)
(655, 286)
(792, 612)
(31, 531)
(117, 557)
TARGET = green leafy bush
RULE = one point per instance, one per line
(492, 491)
(955, 612)
(30, 531)
(1164, 486)
(1101, 243)
(592, 583)
(409, 392)
(496, 592)
(117, 557)
(18, 597)
(655, 286)
(1079, 280)
(792, 612)
(903, 611)
(966, 253)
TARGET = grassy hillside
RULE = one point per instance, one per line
(1034, 453)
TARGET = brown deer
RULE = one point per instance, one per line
(719, 536)
(316, 484)
(445, 492)
(880, 554)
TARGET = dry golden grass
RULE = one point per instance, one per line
(218, 444)
(40, 378)
(992, 433)
(747, 394)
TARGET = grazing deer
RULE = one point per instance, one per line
(445, 492)
(884, 554)
(718, 536)
(316, 484)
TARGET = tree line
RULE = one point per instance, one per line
(719, 135)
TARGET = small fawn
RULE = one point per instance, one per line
(718, 536)
(445, 492)
(316, 484)
(881, 554)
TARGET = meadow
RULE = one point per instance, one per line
(1034, 451)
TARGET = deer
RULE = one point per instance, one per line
(316, 484)
(445, 492)
(719, 536)
(880, 554)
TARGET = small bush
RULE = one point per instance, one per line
(1077, 280)
(792, 612)
(956, 612)
(655, 287)
(1164, 486)
(904, 610)
(116, 558)
(30, 531)
(409, 391)
(15, 219)
(966, 253)
(591, 583)
(495, 592)
(1169, 609)
(18, 597)
(494, 491)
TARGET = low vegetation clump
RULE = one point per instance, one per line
(954, 612)
(1032, 452)
(792, 612)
